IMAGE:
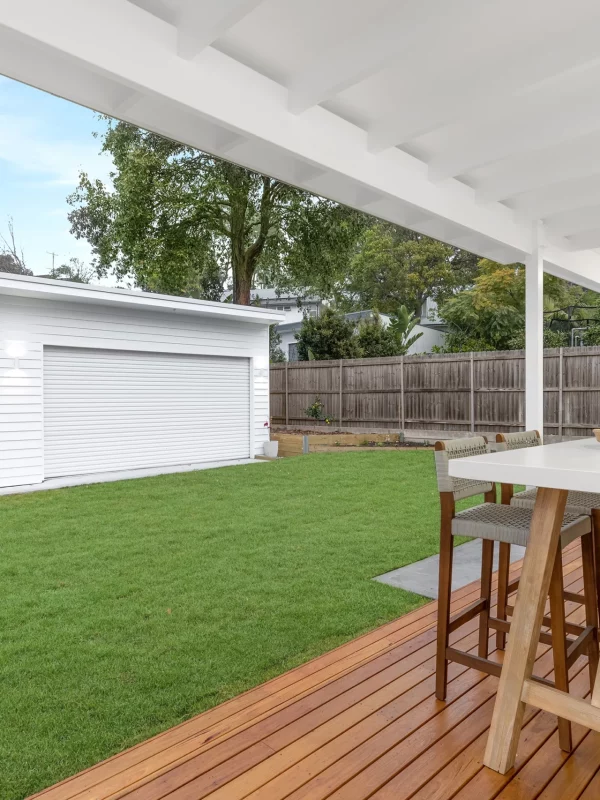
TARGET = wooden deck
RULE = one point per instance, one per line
(359, 722)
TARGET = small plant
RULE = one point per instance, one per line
(317, 411)
(364, 443)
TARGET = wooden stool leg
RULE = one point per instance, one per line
(503, 570)
(559, 646)
(444, 595)
(487, 567)
(596, 537)
(544, 541)
(589, 594)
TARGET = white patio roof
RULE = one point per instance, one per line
(465, 120)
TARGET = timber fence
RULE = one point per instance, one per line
(457, 392)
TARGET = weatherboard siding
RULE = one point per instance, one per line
(39, 322)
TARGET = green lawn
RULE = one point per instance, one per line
(128, 607)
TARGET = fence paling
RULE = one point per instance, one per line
(467, 391)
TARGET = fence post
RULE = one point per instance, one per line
(341, 391)
(472, 382)
(560, 392)
(287, 413)
(402, 412)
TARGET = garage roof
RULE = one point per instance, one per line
(24, 286)
(464, 120)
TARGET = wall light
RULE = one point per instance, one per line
(15, 350)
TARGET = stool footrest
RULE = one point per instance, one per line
(579, 646)
(469, 613)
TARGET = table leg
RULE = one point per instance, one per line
(525, 628)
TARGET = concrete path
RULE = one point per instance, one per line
(124, 475)
(422, 577)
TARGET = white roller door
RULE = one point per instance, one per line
(115, 410)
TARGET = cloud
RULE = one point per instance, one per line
(45, 157)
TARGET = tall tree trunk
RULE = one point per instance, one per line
(245, 260)
(242, 283)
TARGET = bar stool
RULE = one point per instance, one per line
(584, 503)
(506, 524)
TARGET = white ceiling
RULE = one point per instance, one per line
(466, 120)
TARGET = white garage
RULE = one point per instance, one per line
(96, 380)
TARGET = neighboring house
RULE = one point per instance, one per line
(96, 380)
(293, 306)
(430, 326)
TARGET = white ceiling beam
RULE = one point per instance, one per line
(485, 80)
(378, 42)
(125, 101)
(533, 172)
(365, 197)
(201, 22)
(588, 240)
(561, 110)
(574, 221)
(158, 8)
(558, 198)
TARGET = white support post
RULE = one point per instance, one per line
(534, 334)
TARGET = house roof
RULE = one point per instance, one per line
(467, 121)
(47, 289)
(354, 316)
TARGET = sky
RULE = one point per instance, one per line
(44, 143)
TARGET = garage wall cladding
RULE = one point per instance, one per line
(87, 387)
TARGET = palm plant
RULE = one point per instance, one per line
(402, 324)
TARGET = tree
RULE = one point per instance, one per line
(181, 221)
(375, 340)
(12, 258)
(394, 266)
(75, 271)
(491, 314)
(276, 354)
(329, 336)
(402, 325)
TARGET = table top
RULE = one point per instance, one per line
(568, 465)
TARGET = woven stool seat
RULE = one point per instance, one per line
(511, 524)
(577, 502)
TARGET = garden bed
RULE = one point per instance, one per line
(296, 443)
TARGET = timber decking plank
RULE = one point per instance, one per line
(577, 771)
(592, 791)
(361, 721)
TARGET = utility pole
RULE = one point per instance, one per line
(50, 253)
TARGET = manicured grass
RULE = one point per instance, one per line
(128, 607)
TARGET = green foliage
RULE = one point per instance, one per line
(276, 354)
(592, 335)
(75, 271)
(375, 340)
(181, 221)
(316, 410)
(552, 338)
(328, 336)
(394, 266)
(491, 314)
(402, 324)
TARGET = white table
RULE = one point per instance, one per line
(559, 468)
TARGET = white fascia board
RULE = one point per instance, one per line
(24, 286)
